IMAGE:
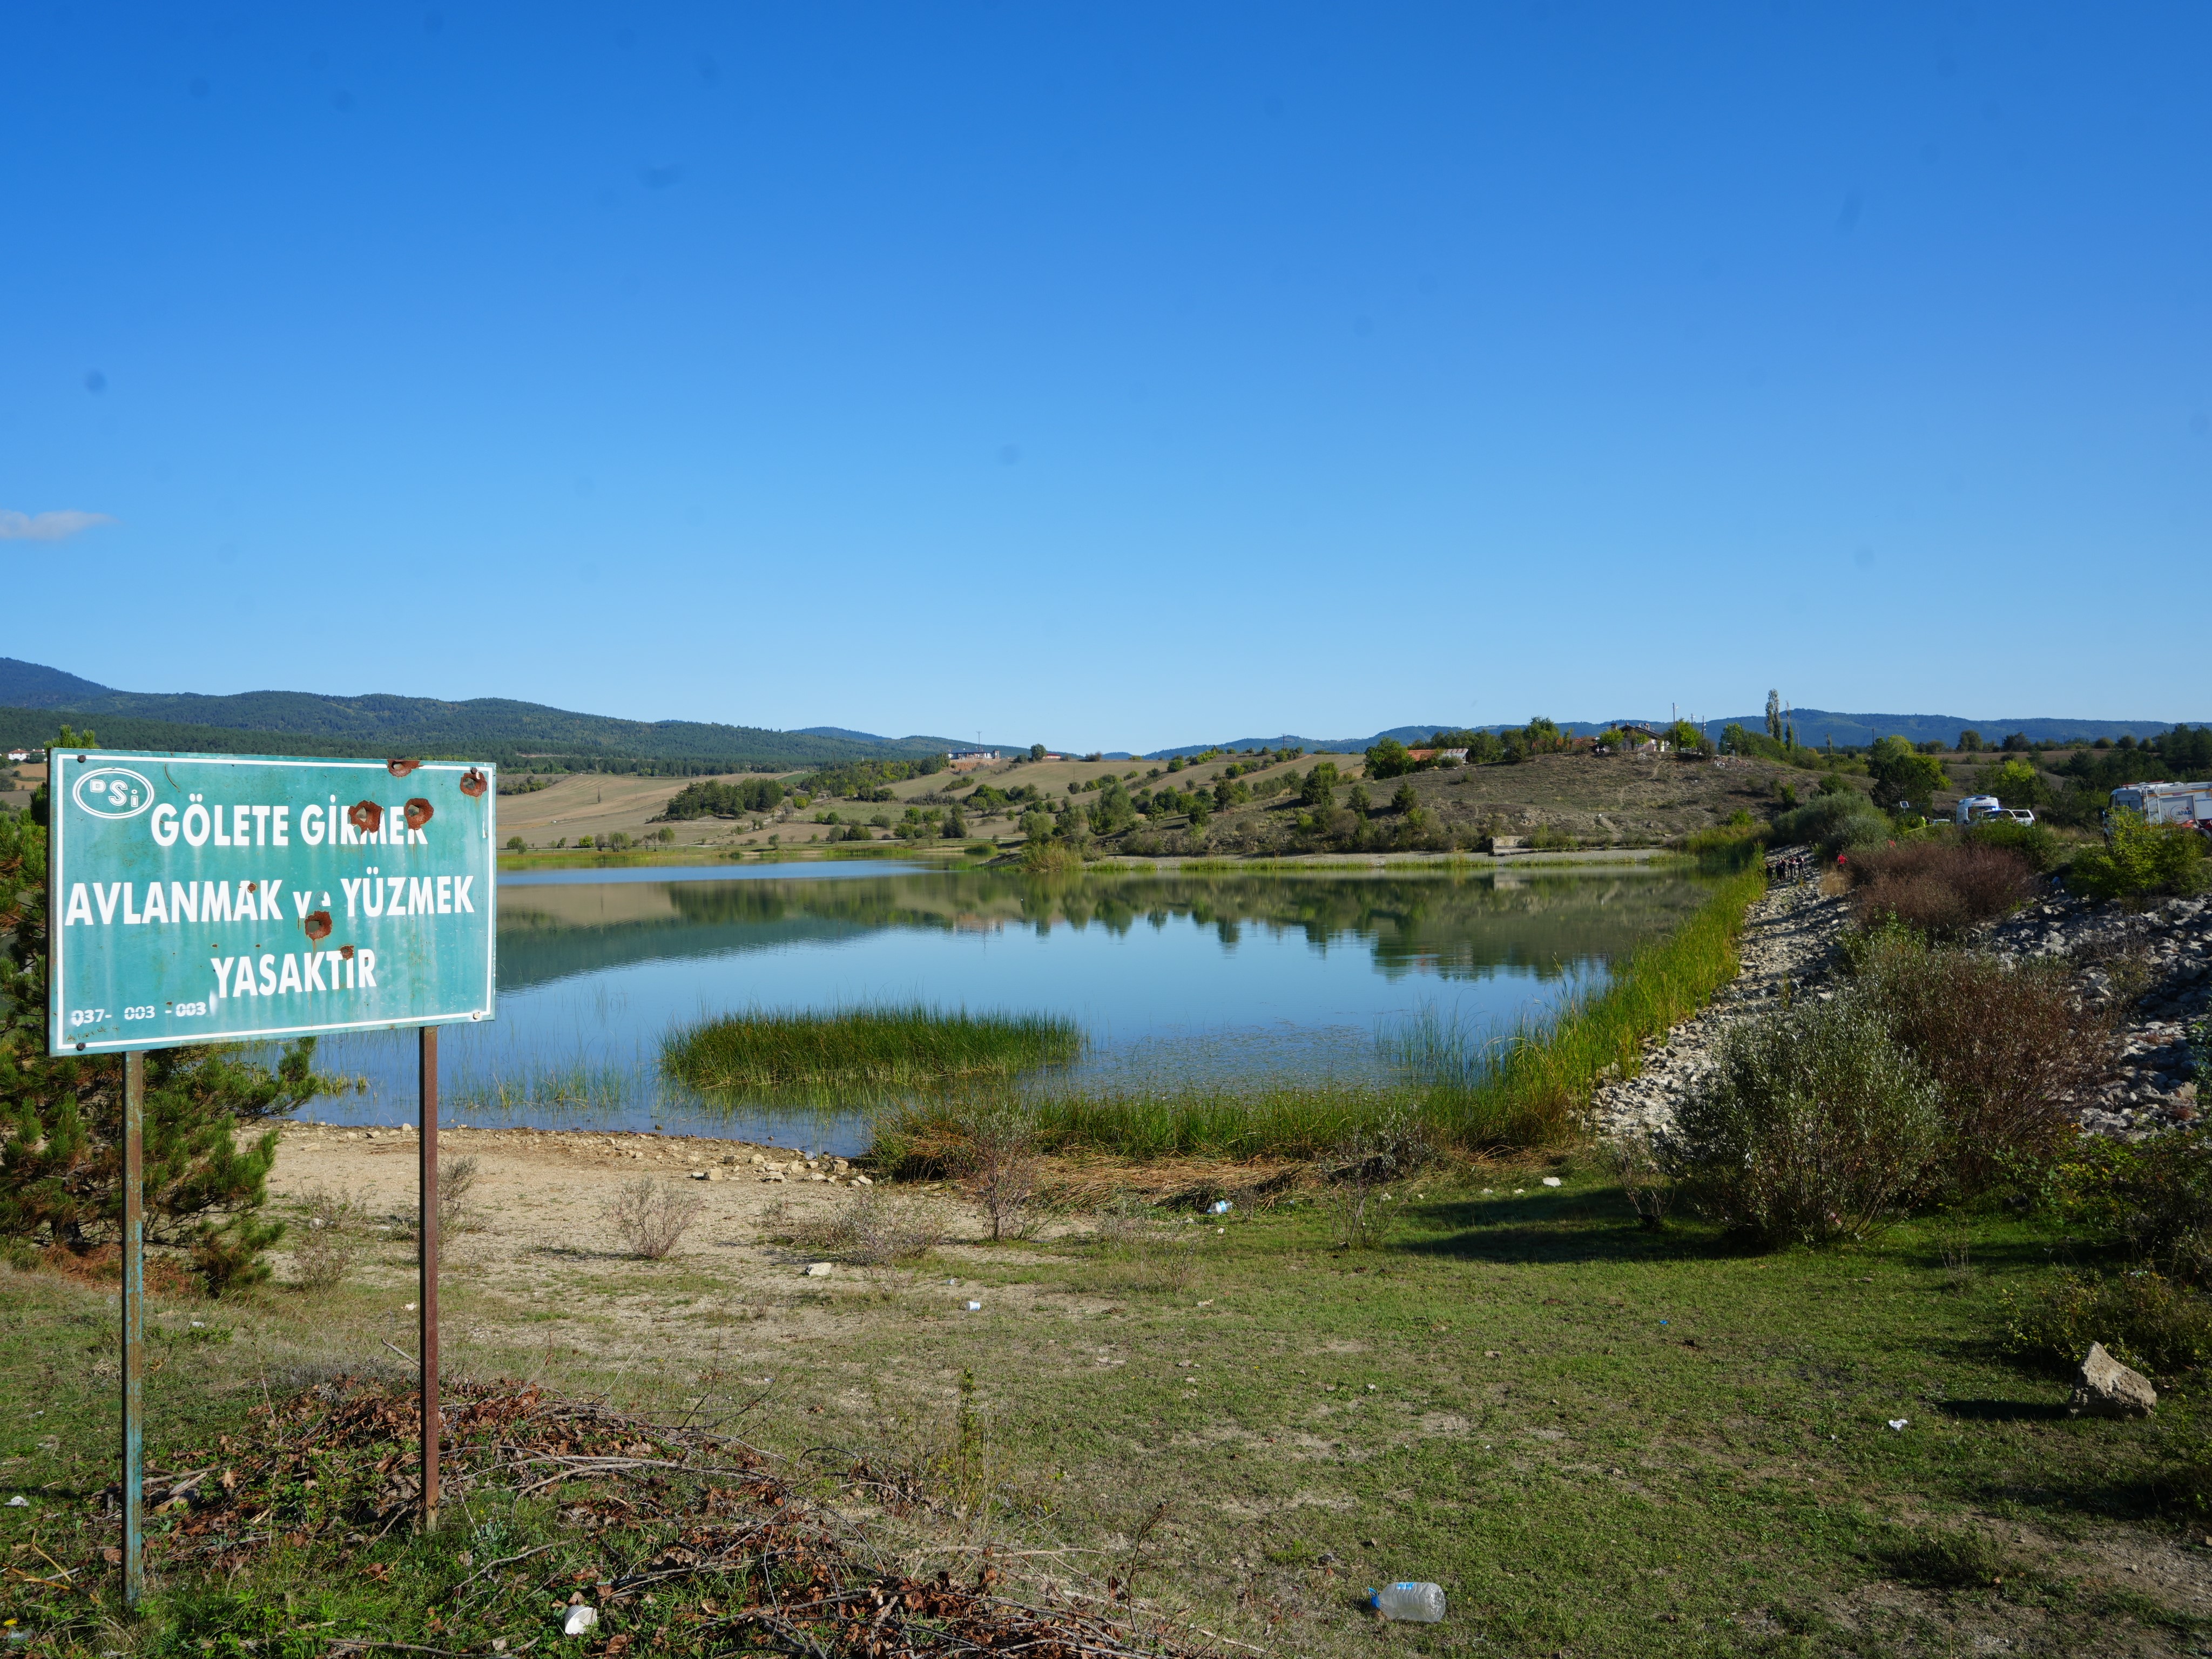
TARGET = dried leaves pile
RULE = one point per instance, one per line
(692, 1542)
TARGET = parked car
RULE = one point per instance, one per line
(2020, 815)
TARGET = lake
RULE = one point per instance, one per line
(1174, 977)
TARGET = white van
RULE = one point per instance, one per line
(1975, 808)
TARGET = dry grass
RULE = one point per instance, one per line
(326, 1238)
(873, 1230)
(1942, 888)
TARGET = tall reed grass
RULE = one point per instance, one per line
(1471, 1090)
(881, 1048)
(584, 1083)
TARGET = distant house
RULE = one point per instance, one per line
(1640, 740)
(966, 760)
(1459, 755)
(17, 756)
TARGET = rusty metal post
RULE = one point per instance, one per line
(134, 1326)
(426, 1299)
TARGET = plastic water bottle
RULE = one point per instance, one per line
(1419, 1604)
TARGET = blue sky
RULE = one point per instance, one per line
(1122, 375)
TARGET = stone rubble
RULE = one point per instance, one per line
(2155, 965)
(2152, 964)
(1789, 947)
(699, 1158)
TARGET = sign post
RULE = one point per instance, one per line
(426, 1301)
(209, 899)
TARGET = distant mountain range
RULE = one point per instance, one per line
(35, 700)
(1814, 725)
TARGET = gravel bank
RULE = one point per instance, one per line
(2154, 967)
(1789, 936)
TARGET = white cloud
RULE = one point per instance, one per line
(47, 526)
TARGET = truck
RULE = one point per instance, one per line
(2189, 805)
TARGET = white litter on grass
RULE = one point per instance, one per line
(19, 1502)
(1899, 1423)
(1222, 1207)
(818, 1270)
(1551, 1181)
(974, 1307)
(580, 1619)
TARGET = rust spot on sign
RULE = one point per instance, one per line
(418, 813)
(319, 925)
(346, 950)
(365, 816)
(400, 768)
(474, 783)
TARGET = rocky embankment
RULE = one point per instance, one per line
(2153, 968)
(1788, 940)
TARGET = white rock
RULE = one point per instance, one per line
(2106, 1387)
(819, 1269)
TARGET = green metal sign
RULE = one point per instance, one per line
(198, 898)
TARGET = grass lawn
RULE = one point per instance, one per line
(1599, 1440)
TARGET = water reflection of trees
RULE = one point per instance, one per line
(1454, 926)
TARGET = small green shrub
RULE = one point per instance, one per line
(2144, 1320)
(2032, 841)
(226, 1255)
(1726, 841)
(1835, 821)
(327, 1240)
(1812, 1125)
(2140, 859)
(2155, 1195)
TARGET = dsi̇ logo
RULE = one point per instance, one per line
(109, 792)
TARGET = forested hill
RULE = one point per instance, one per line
(35, 702)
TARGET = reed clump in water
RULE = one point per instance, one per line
(877, 1047)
